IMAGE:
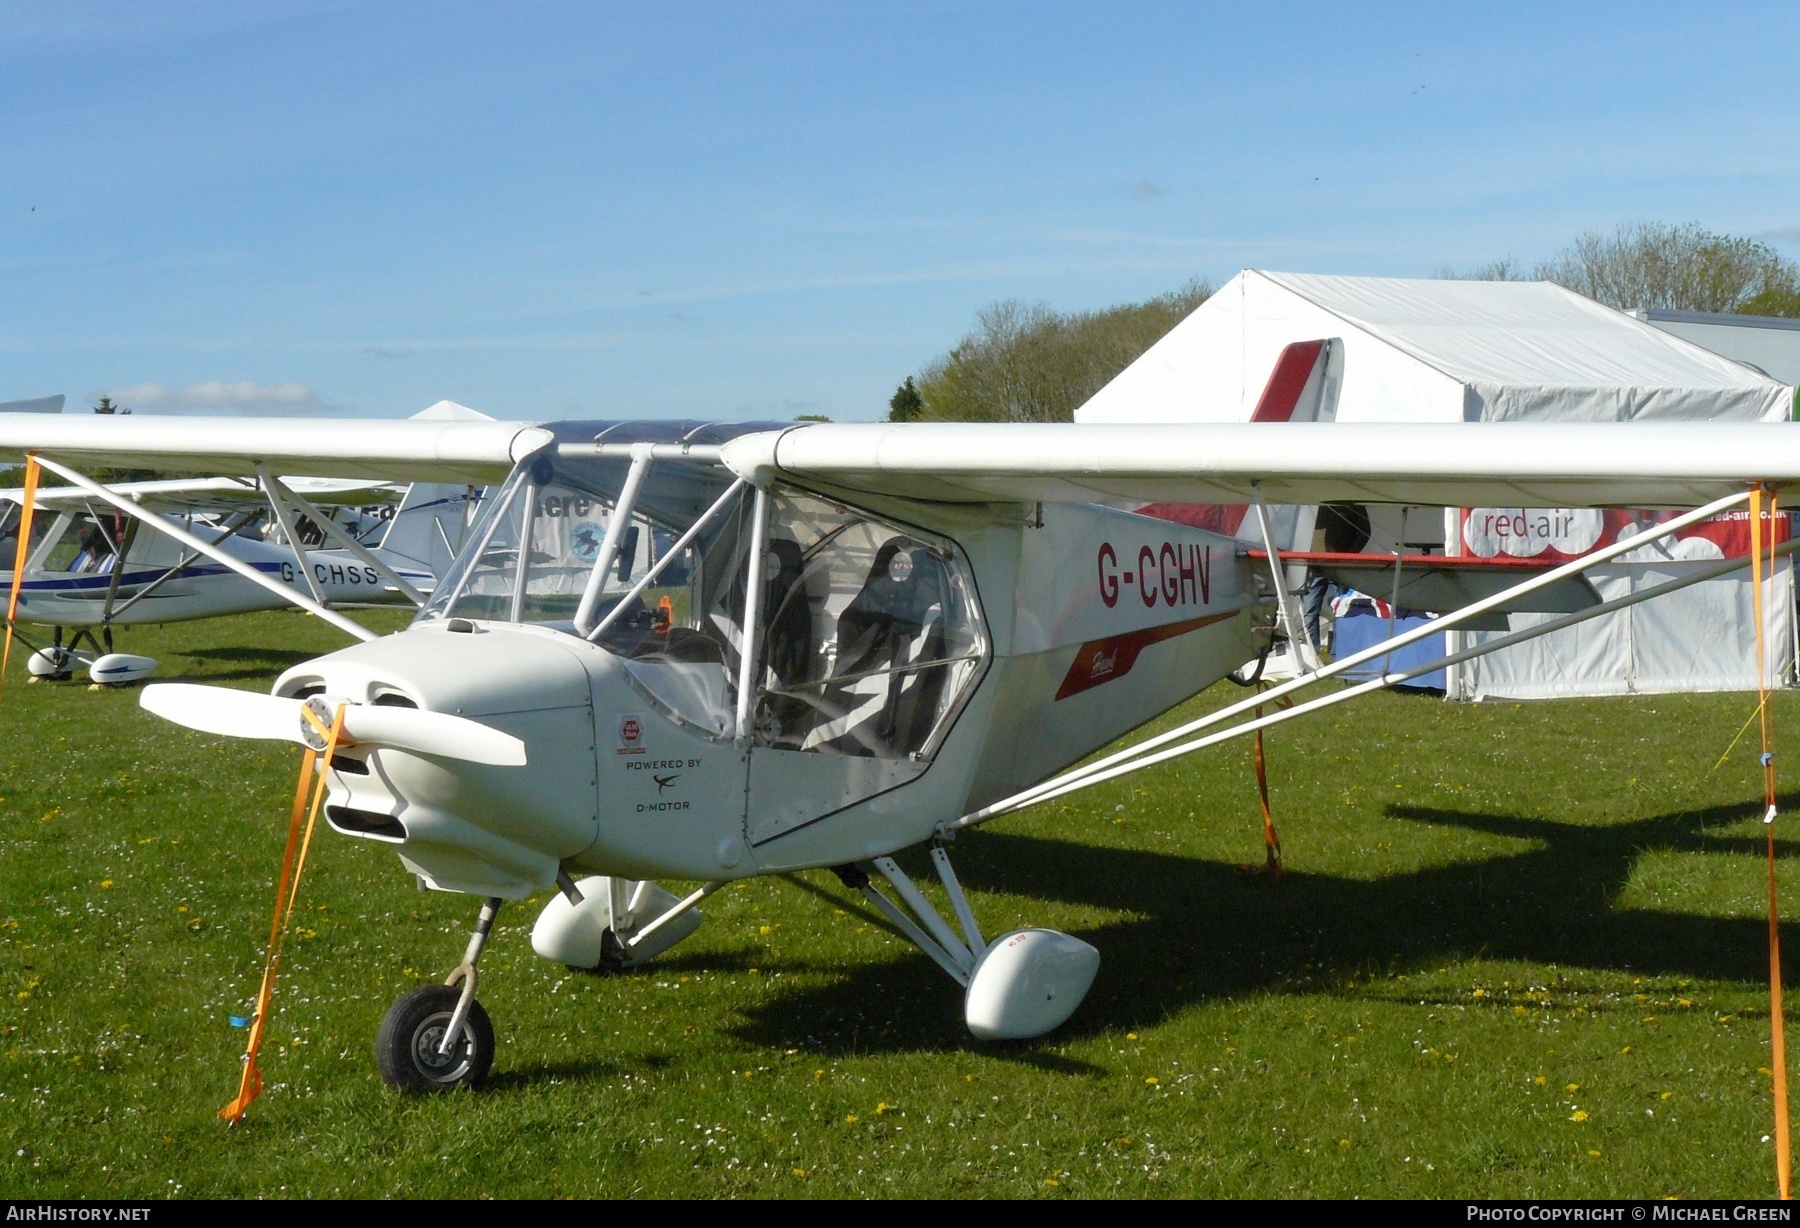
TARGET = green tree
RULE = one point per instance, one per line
(106, 406)
(1678, 268)
(1774, 303)
(1025, 362)
(905, 405)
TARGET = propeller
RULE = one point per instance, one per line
(246, 714)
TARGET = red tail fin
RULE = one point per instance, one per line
(1293, 371)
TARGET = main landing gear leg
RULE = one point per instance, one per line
(438, 1037)
(1021, 985)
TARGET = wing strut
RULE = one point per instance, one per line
(1139, 756)
(1306, 656)
(210, 550)
(290, 528)
(232, 525)
(331, 529)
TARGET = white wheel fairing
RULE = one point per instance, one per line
(1029, 982)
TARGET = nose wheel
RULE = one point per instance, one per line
(409, 1049)
(437, 1037)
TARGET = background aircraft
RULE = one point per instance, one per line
(89, 568)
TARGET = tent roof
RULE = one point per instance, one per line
(1463, 349)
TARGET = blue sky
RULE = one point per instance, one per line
(729, 210)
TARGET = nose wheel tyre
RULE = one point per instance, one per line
(406, 1047)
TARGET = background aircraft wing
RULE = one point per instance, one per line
(179, 495)
(410, 449)
(1500, 464)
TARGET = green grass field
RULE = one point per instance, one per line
(1519, 952)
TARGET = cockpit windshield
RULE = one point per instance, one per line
(867, 635)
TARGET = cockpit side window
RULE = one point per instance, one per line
(871, 633)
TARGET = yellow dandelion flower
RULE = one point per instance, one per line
(1594, 1153)
(105, 882)
(883, 1107)
(799, 1172)
(1151, 1081)
(1578, 1115)
(1131, 1036)
(1051, 1181)
(852, 1119)
(1573, 1087)
(1665, 1095)
(1540, 1080)
(1344, 1144)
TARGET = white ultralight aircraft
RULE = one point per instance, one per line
(89, 569)
(816, 646)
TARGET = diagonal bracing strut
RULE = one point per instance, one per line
(209, 549)
(1141, 755)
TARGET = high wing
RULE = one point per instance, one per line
(1513, 464)
(1505, 464)
(400, 450)
(193, 495)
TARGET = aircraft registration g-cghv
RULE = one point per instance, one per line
(670, 651)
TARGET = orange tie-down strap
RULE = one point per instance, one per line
(1271, 838)
(1784, 1160)
(27, 506)
(287, 888)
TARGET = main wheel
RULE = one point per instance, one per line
(406, 1047)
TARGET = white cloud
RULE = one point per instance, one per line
(239, 396)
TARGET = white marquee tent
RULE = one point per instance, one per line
(1459, 351)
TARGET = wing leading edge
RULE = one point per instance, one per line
(410, 449)
(1504, 464)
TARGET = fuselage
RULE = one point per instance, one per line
(83, 593)
(886, 700)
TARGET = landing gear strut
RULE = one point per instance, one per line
(1023, 984)
(438, 1037)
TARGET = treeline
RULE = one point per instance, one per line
(1028, 363)
(1673, 268)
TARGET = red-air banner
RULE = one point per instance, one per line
(1556, 535)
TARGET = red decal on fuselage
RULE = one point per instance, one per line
(1099, 661)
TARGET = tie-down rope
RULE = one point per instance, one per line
(313, 768)
(1784, 1159)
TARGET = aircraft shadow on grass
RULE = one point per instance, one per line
(1201, 931)
(258, 663)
